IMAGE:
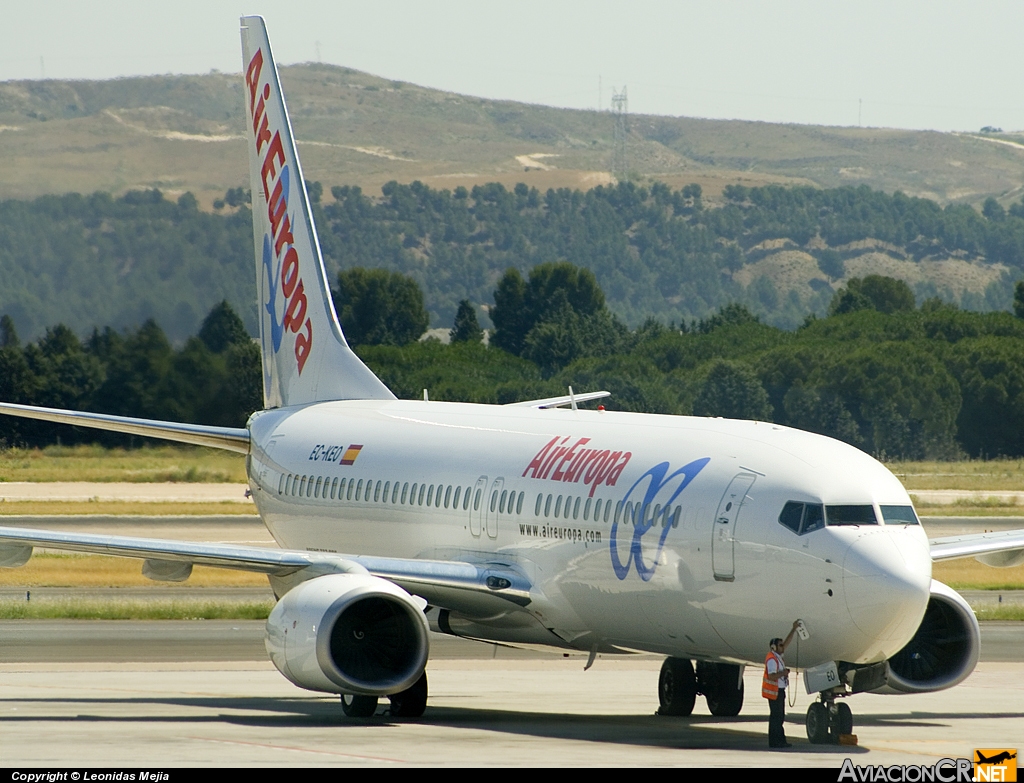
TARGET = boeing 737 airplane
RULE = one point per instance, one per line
(541, 523)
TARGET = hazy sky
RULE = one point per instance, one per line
(912, 64)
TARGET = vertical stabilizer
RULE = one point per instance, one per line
(305, 355)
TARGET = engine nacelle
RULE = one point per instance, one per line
(349, 633)
(943, 652)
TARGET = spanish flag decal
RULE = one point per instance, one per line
(349, 457)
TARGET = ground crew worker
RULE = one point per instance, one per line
(773, 688)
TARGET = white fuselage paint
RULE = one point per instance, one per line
(727, 577)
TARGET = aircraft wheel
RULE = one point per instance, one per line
(817, 723)
(844, 719)
(726, 702)
(722, 688)
(677, 687)
(358, 706)
(411, 702)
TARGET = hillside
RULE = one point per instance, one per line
(181, 133)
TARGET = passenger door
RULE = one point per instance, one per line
(477, 506)
(723, 536)
(492, 507)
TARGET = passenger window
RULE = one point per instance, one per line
(280, 485)
(519, 503)
(448, 495)
(334, 487)
(494, 500)
(576, 509)
(627, 513)
(540, 500)
(387, 490)
(430, 495)
(359, 490)
(558, 507)
(423, 489)
(302, 487)
(405, 492)
(437, 496)
(597, 510)
(618, 511)
(465, 498)
(316, 490)
(501, 503)
(476, 500)
(351, 489)
(455, 500)
(675, 517)
(547, 507)
(899, 515)
(288, 485)
(607, 510)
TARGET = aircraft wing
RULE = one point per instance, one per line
(560, 402)
(1002, 549)
(451, 585)
(229, 438)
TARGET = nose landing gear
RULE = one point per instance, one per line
(827, 719)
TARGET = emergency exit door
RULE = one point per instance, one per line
(723, 536)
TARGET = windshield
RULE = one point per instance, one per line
(850, 515)
(899, 515)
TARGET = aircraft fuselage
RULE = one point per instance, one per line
(638, 532)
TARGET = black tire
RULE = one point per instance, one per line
(727, 701)
(677, 687)
(722, 688)
(358, 706)
(844, 719)
(411, 702)
(817, 724)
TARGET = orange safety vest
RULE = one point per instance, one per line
(769, 689)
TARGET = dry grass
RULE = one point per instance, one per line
(969, 574)
(187, 609)
(52, 570)
(998, 474)
(122, 508)
(145, 465)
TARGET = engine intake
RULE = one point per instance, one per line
(943, 652)
(349, 633)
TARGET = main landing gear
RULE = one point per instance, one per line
(827, 719)
(409, 703)
(720, 683)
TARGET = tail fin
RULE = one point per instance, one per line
(305, 355)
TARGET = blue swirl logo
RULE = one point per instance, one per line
(644, 520)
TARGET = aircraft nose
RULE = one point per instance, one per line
(887, 580)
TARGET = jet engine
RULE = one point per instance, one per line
(943, 652)
(349, 633)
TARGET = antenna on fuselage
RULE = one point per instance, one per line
(572, 399)
(425, 397)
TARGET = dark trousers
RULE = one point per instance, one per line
(776, 716)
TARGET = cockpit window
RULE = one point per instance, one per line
(851, 515)
(899, 515)
(802, 517)
(791, 515)
(814, 517)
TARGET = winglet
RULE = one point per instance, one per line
(305, 355)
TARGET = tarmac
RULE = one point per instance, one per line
(151, 695)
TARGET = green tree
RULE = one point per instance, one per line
(378, 307)
(732, 390)
(222, 328)
(8, 334)
(467, 328)
(874, 292)
(553, 292)
(1018, 299)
